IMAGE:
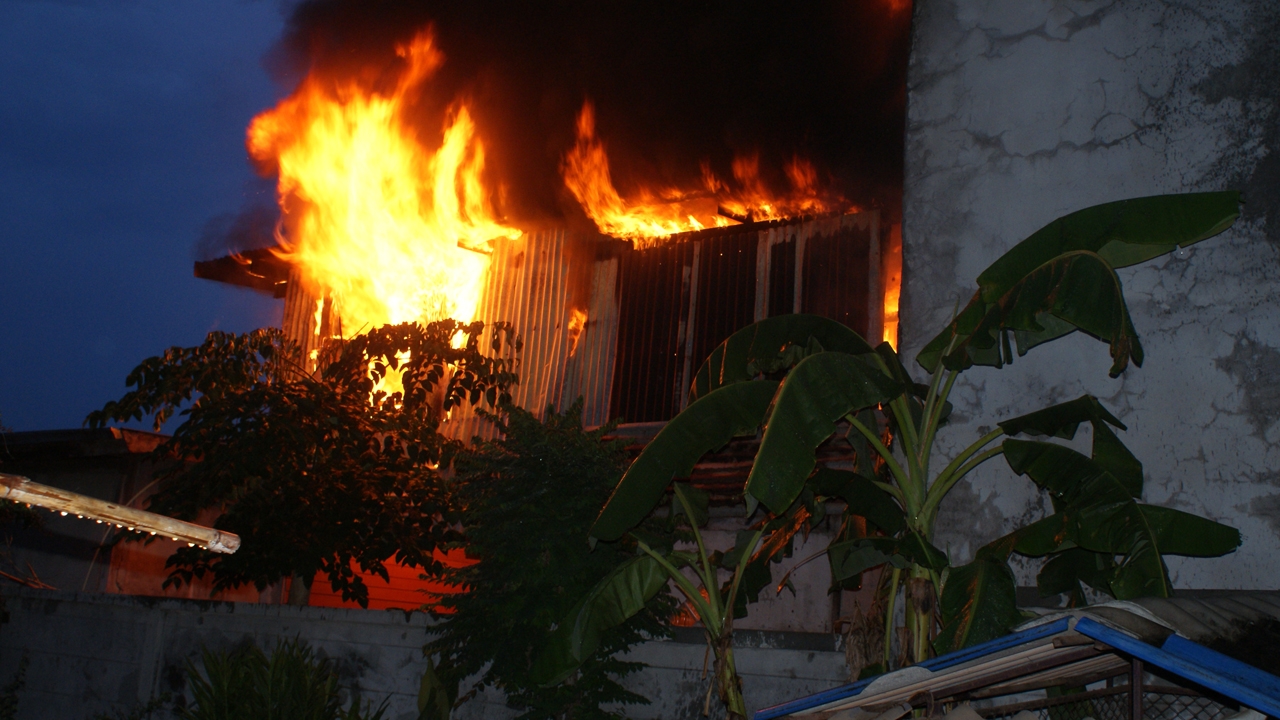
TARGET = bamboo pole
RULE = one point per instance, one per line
(23, 490)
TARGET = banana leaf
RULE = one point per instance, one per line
(1119, 234)
(1099, 514)
(1182, 533)
(759, 348)
(777, 544)
(1063, 419)
(1067, 570)
(1124, 233)
(979, 600)
(820, 390)
(708, 423)
(862, 497)
(851, 558)
(689, 499)
(1060, 470)
(615, 599)
(1077, 288)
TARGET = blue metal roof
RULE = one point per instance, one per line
(1164, 649)
(939, 663)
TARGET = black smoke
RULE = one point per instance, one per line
(674, 84)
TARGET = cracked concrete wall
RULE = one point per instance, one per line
(1021, 111)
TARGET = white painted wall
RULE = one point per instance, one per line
(1020, 111)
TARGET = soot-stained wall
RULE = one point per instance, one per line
(1020, 111)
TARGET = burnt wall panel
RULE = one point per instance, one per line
(726, 292)
(782, 277)
(654, 290)
(836, 273)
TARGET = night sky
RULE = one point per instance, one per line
(121, 136)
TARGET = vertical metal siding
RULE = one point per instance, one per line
(526, 285)
(653, 315)
(589, 371)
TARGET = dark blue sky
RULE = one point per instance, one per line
(121, 134)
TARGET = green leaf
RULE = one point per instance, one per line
(1126, 232)
(1114, 524)
(708, 423)
(1118, 234)
(1060, 470)
(1181, 533)
(1062, 421)
(1044, 536)
(1065, 571)
(1142, 573)
(979, 603)
(776, 544)
(615, 599)
(435, 700)
(915, 548)
(862, 496)
(1078, 288)
(759, 347)
(690, 499)
(819, 391)
(851, 558)
(1097, 512)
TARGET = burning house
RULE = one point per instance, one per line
(618, 303)
(627, 236)
(376, 227)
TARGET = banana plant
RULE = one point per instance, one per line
(796, 380)
(717, 586)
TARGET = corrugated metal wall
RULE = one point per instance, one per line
(653, 315)
(682, 298)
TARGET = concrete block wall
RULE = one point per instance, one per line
(93, 653)
(1020, 111)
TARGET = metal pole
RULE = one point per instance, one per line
(23, 490)
(1135, 689)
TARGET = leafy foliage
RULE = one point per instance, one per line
(722, 584)
(708, 423)
(818, 373)
(314, 473)
(9, 693)
(153, 708)
(293, 683)
(1062, 278)
(527, 501)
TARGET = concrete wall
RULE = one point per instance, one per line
(93, 653)
(1023, 110)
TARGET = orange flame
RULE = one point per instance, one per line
(892, 273)
(389, 228)
(657, 213)
(577, 321)
(586, 175)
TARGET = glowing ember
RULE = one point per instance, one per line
(386, 226)
(657, 213)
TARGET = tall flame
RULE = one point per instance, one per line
(393, 230)
(655, 213)
(586, 175)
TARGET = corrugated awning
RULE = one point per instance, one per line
(1076, 648)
